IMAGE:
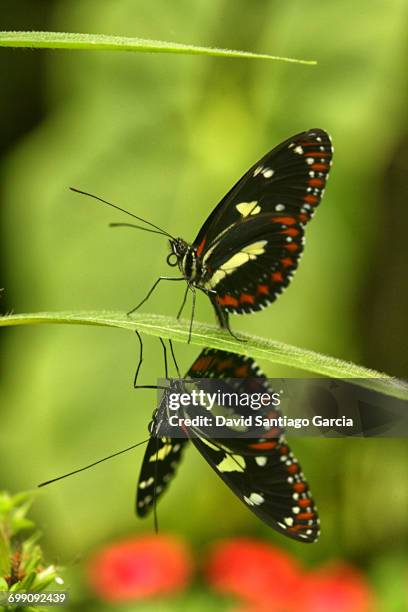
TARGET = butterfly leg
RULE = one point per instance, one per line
(222, 318)
(174, 358)
(183, 302)
(166, 371)
(231, 333)
(135, 385)
(168, 278)
(139, 365)
(192, 312)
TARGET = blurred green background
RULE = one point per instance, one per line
(166, 136)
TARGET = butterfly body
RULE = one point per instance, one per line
(188, 262)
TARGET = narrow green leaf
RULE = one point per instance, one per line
(4, 553)
(68, 40)
(213, 337)
(29, 578)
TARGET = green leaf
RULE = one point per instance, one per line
(25, 498)
(68, 40)
(6, 503)
(3, 585)
(213, 337)
(21, 524)
(4, 553)
(21, 505)
(30, 578)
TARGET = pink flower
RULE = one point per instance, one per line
(140, 567)
(338, 588)
(263, 576)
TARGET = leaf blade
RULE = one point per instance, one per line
(213, 337)
(74, 41)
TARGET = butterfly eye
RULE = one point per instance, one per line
(172, 260)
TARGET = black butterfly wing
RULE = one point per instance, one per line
(163, 455)
(262, 472)
(266, 476)
(289, 180)
(160, 462)
(253, 263)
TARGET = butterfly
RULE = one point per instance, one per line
(246, 252)
(262, 472)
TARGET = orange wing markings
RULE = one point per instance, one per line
(293, 468)
(243, 371)
(246, 298)
(277, 277)
(317, 154)
(268, 445)
(287, 262)
(291, 231)
(226, 364)
(200, 247)
(311, 199)
(202, 363)
(284, 220)
(320, 167)
(316, 182)
(262, 289)
(306, 143)
(292, 246)
(227, 300)
(297, 528)
(305, 516)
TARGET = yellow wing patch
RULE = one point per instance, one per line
(248, 253)
(161, 453)
(232, 463)
(248, 208)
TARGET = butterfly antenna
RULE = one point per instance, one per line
(145, 229)
(86, 467)
(95, 197)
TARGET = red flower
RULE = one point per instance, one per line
(338, 588)
(267, 579)
(140, 567)
(264, 576)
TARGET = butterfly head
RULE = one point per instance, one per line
(179, 248)
(185, 257)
